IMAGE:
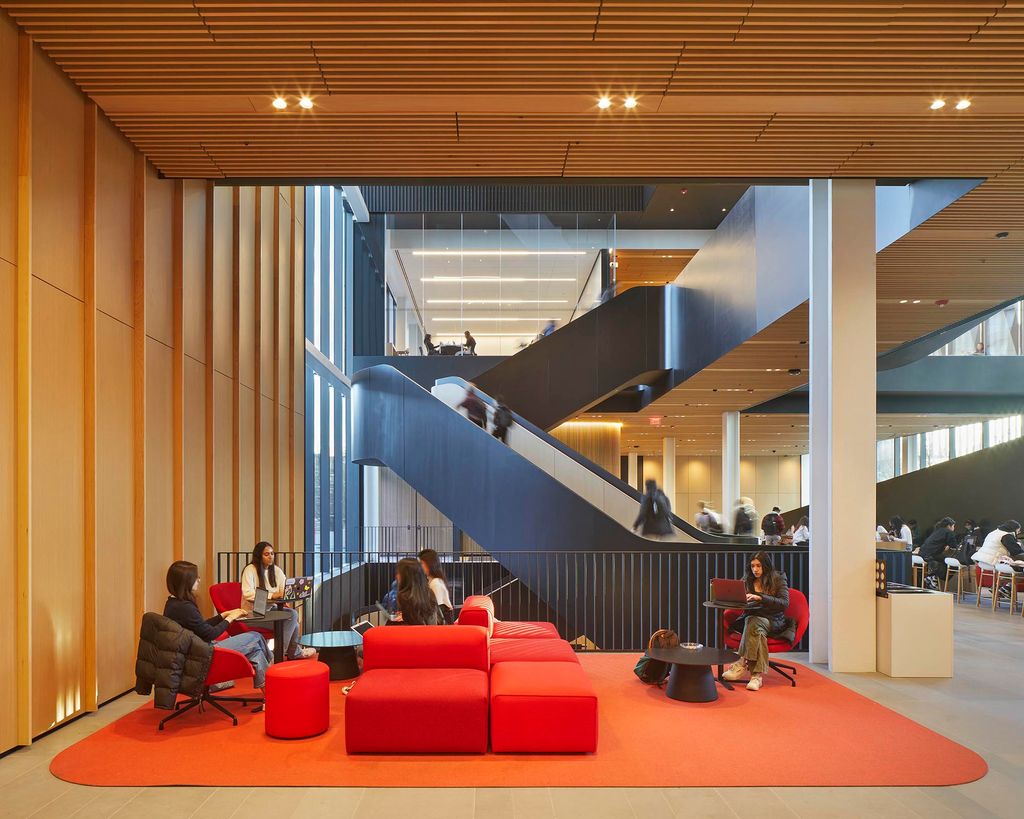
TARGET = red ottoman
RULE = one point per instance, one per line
(542, 707)
(532, 650)
(516, 629)
(298, 699)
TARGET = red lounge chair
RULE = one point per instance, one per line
(797, 610)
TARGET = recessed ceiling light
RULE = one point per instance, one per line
(629, 102)
(903, 301)
(671, 210)
(280, 103)
(937, 104)
(724, 210)
(916, 301)
(305, 102)
(604, 102)
(963, 105)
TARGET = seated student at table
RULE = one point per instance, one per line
(768, 590)
(417, 605)
(438, 583)
(262, 573)
(183, 583)
(933, 550)
(1001, 546)
(901, 532)
(800, 533)
(430, 345)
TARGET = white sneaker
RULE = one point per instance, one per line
(735, 671)
(304, 654)
(755, 682)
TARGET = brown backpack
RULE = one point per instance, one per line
(654, 672)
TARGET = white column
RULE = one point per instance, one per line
(730, 466)
(668, 470)
(842, 423)
(632, 470)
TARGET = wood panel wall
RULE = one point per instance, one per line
(150, 387)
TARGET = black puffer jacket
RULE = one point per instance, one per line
(171, 659)
(772, 608)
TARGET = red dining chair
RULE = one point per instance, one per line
(228, 596)
(797, 610)
(227, 665)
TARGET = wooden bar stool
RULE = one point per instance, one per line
(985, 578)
(954, 566)
(918, 570)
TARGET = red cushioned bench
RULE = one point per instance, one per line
(424, 689)
(542, 707)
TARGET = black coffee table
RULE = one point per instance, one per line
(337, 650)
(690, 679)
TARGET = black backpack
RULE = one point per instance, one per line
(772, 524)
(502, 417)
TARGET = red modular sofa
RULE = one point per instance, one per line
(424, 689)
(535, 693)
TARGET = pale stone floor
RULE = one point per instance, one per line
(981, 707)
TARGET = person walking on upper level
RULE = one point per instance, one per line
(476, 409)
(773, 526)
(744, 519)
(469, 345)
(501, 420)
(655, 518)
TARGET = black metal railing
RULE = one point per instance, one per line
(600, 601)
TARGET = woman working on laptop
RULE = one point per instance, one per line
(262, 573)
(183, 583)
(768, 593)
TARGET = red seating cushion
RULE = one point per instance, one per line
(477, 616)
(298, 699)
(515, 629)
(425, 647)
(479, 601)
(228, 664)
(417, 710)
(532, 650)
(546, 707)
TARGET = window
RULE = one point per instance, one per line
(1001, 430)
(885, 459)
(936, 447)
(327, 385)
(968, 439)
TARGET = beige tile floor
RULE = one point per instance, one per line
(980, 707)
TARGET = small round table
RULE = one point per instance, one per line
(691, 679)
(337, 650)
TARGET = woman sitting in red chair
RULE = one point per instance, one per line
(769, 591)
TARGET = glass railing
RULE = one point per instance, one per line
(1001, 334)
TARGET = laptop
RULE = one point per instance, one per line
(259, 606)
(361, 627)
(298, 588)
(728, 591)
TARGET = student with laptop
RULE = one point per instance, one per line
(767, 591)
(182, 584)
(262, 573)
(417, 605)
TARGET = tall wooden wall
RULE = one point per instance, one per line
(151, 364)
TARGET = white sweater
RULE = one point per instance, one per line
(440, 591)
(250, 582)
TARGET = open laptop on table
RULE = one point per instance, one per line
(297, 588)
(259, 606)
(724, 590)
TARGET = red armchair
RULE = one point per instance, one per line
(227, 665)
(228, 596)
(797, 610)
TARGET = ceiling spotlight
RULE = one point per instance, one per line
(963, 105)
(903, 301)
(1002, 234)
(916, 301)
(630, 102)
(724, 210)
(604, 102)
(671, 210)
(280, 103)
(937, 104)
(305, 102)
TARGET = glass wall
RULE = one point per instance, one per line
(1001, 334)
(505, 278)
(907, 453)
(327, 366)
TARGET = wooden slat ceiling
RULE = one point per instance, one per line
(649, 267)
(750, 89)
(417, 88)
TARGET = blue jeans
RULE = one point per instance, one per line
(290, 633)
(254, 647)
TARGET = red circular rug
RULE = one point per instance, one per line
(820, 734)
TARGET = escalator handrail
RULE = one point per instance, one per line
(595, 469)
